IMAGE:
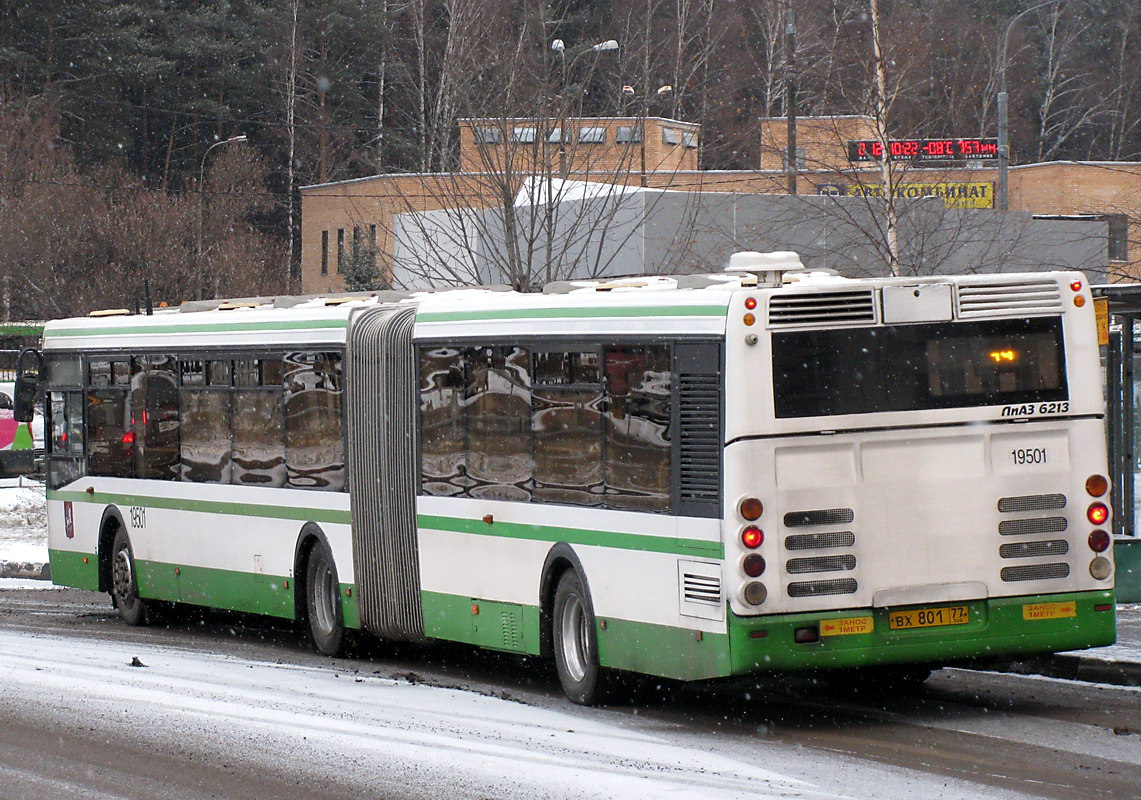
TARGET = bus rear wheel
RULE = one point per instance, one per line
(125, 583)
(323, 602)
(576, 644)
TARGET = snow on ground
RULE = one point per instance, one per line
(387, 730)
(23, 521)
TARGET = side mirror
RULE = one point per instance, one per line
(5, 402)
(27, 386)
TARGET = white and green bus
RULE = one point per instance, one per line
(689, 477)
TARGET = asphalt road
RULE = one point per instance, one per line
(961, 734)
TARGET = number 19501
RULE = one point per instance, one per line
(1029, 455)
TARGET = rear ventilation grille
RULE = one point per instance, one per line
(1052, 547)
(822, 516)
(699, 443)
(701, 588)
(814, 541)
(798, 566)
(1035, 572)
(1023, 527)
(822, 588)
(1000, 298)
(821, 308)
(1032, 502)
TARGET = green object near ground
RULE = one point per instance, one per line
(1127, 557)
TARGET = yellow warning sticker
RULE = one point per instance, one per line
(1050, 610)
(846, 626)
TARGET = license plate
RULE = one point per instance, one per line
(929, 617)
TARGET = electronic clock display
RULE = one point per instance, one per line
(924, 149)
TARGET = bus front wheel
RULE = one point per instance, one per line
(323, 602)
(576, 643)
(125, 583)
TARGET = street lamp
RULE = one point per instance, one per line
(560, 47)
(1003, 137)
(202, 189)
(661, 92)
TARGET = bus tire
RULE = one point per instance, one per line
(125, 582)
(575, 642)
(323, 602)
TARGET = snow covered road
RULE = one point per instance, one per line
(235, 707)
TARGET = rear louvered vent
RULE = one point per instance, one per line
(699, 445)
(815, 541)
(822, 563)
(821, 308)
(1001, 298)
(822, 516)
(1026, 527)
(1032, 502)
(822, 588)
(1051, 547)
(799, 566)
(1042, 548)
(701, 588)
(1035, 572)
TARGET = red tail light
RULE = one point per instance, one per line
(752, 537)
(1098, 541)
(753, 565)
(1097, 513)
(129, 437)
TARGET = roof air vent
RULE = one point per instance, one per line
(768, 267)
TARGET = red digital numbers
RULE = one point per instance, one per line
(923, 149)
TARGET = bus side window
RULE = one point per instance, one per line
(110, 438)
(566, 422)
(155, 417)
(258, 423)
(442, 421)
(498, 404)
(638, 385)
(314, 447)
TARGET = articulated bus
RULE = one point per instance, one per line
(689, 477)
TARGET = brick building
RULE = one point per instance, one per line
(354, 219)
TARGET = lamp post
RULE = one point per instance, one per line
(560, 47)
(202, 190)
(1003, 136)
(661, 92)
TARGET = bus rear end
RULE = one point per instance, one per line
(915, 472)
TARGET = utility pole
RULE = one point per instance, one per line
(790, 96)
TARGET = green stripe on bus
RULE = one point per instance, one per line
(584, 311)
(226, 327)
(206, 506)
(580, 536)
(21, 328)
(998, 629)
(69, 568)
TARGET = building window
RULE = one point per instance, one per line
(487, 136)
(591, 135)
(523, 135)
(670, 136)
(801, 160)
(372, 237)
(689, 139)
(356, 242)
(340, 249)
(629, 134)
(1118, 225)
(556, 136)
(324, 252)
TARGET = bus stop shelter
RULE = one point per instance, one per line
(1119, 308)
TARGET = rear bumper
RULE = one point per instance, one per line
(998, 628)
